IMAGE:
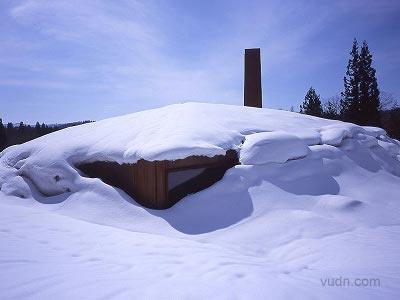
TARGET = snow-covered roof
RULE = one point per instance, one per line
(180, 130)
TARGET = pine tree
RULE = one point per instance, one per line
(21, 127)
(21, 133)
(38, 129)
(330, 111)
(360, 99)
(331, 108)
(369, 92)
(349, 109)
(311, 104)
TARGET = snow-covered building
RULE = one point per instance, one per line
(160, 184)
(311, 200)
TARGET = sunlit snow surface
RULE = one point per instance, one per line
(313, 199)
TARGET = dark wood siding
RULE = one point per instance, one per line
(147, 181)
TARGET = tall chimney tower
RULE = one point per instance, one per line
(252, 78)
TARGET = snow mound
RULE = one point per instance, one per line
(174, 132)
(335, 134)
(275, 225)
(272, 147)
(374, 131)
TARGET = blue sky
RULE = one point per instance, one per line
(75, 60)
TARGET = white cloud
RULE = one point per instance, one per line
(120, 45)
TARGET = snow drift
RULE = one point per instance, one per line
(271, 147)
(312, 199)
(170, 133)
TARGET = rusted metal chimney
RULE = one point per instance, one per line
(252, 78)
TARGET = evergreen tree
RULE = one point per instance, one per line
(350, 97)
(21, 127)
(21, 133)
(331, 108)
(311, 104)
(360, 99)
(3, 135)
(330, 111)
(369, 92)
(38, 129)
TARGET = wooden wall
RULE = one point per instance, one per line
(147, 181)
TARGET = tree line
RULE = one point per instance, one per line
(11, 134)
(361, 101)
